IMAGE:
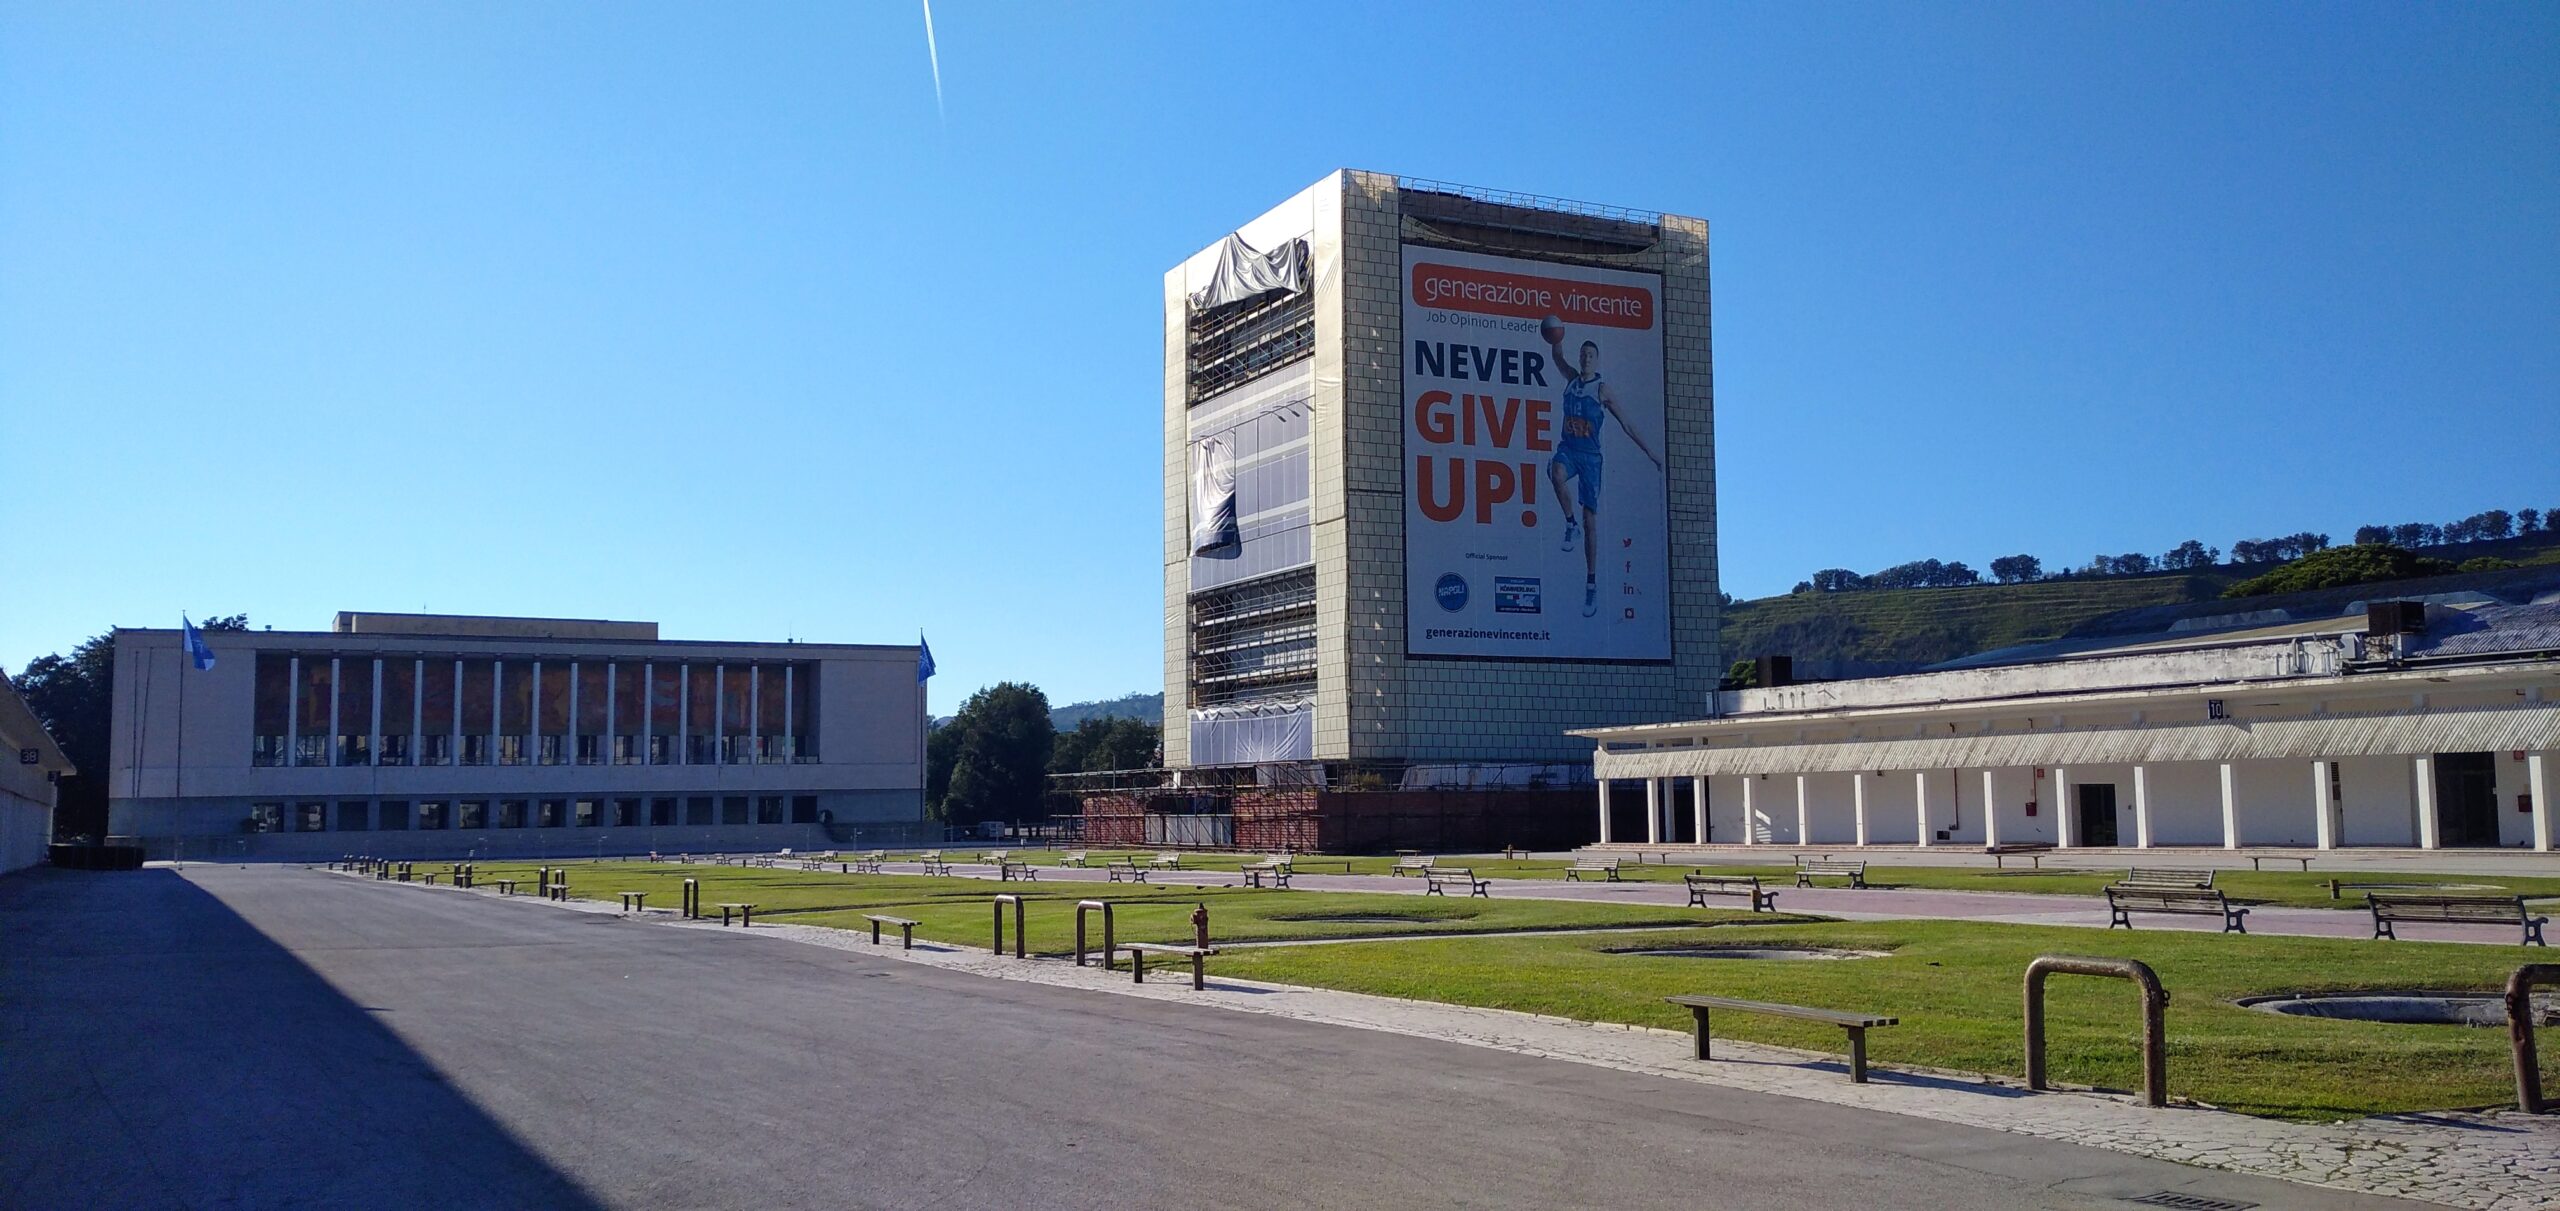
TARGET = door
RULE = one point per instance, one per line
(2466, 800)
(2097, 813)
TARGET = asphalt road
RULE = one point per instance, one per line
(272, 1037)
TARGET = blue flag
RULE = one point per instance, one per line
(197, 650)
(924, 659)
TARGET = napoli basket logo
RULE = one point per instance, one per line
(1452, 592)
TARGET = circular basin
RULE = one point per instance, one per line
(2419, 1008)
(1783, 953)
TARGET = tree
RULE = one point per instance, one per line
(2528, 521)
(2360, 564)
(1000, 755)
(2369, 535)
(2013, 569)
(1837, 580)
(1742, 675)
(2417, 534)
(2190, 554)
(2495, 524)
(2132, 564)
(1106, 743)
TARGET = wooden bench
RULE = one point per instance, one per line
(1199, 956)
(1116, 868)
(2389, 907)
(2303, 862)
(1167, 861)
(1418, 866)
(506, 887)
(1703, 886)
(746, 915)
(2032, 851)
(933, 863)
(906, 928)
(634, 901)
(996, 858)
(1009, 870)
(1857, 1024)
(2168, 876)
(2124, 899)
(1810, 869)
(1606, 868)
(1072, 858)
(428, 878)
(869, 863)
(1273, 869)
(1437, 879)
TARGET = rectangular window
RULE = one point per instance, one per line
(768, 809)
(733, 809)
(471, 814)
(630, 714)
(266, 817)
(354, 816)
(311, 714)
(665, 719)
(511, 750)
(512, 813)
(662, 812)
(515, 712)
(549, 752)
(479, 718)
(553, 726)
(272, 711)
(392, 816)
(590, 749)
(697, 810)
(432, 814)
(399, 709)
(804, 713)
(552, 813)
(355, 710)
(310, 817)
(436, 720)
(701, 746)
(735, 703)
(804, 809)
(771, 713)
(592, 699)
(626, 813)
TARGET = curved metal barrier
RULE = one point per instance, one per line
(2520, 1032)
(2155, 1002)
(1000, 902)
(1086, 906)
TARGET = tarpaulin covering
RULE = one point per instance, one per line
(1213, 496)
(1241, 272)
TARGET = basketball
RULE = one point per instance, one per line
(1551, 328)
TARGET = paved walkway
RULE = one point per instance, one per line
(2503, 1161)
(1848, 904)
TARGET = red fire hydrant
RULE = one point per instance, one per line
(1200, 926)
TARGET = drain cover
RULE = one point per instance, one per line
(2190, 1202)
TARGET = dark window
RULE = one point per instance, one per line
(355, 710)
(662, 812)
(665, 719)
(592, 699)
(399, 710)
(697, 810)
(432, 814)
(586, 813)
(733, 809)
(311, 713)
(273, 710)
(512, 813)
(266, 817)
(479, 679)
(554, 813)
(804, 713)
(392, 816)
(804, 809)
(471, 814)
(436, 719)
(626, 813)
(310, 817)
(353, 816)
(768, 809)
(553, 727)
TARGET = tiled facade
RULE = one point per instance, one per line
(1372, 704)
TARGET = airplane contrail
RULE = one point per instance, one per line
(935, 56)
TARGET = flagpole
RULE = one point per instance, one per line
(179, 792)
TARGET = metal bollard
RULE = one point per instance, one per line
(1086, 906)
(1000, 902)
(2155, 1001)
(692, 900)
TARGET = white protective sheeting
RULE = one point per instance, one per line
(1213, 495)
(1240, 272)
(2523, 726)
(1253, 735)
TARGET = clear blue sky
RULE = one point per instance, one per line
(701, 313)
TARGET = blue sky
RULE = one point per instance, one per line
(703, 314)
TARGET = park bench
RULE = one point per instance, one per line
(868, 863)
(506, 887)
(1009, 870)
(2124, 899)
(1437, 880)
(995, 857)
(746, 915)
(1857, 1024)
(1167, 861)
(933, 863)
(2168, 876)
(2389, 907)
(1414, 865)
(906, 928)
(428, 878)
(1703, 886)
(2032, 851)
(1810, 869)
(1274, 869)
(1118, 867)
(1199, 956)
(634, 901)
(1072, 858)
(1606, 868)
(2303, 862)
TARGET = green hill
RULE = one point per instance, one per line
(1879, 630)
(1146, 708)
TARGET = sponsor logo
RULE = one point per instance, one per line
(1516, 595)
(1451, 592)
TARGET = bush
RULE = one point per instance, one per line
(2362, 563)
(2486, 563)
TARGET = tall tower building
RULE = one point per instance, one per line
(1439, 486)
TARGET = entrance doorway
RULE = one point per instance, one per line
(2097, 813)
(2466, 800)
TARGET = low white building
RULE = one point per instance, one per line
(2407, 725)
(29, 784)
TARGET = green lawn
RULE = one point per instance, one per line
(1957, 986)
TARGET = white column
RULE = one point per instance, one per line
(1990, 807)
(1802, 837)
(1653, 811)
(2537, 782)
(1858, 803)
(2427, 823)
(2230, 809)
(1698, 807)
(333, 711)
(1750, 807)
(2324, 826)
(1604, 810)
(2066, 815)
(2141, 807)
(1920, 792)
(373, 740)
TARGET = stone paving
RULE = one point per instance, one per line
(2503, 1161)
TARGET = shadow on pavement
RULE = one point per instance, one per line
(158, 1050)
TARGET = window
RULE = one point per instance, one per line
(392, 816)
(272, 712)
(773, 713)
(701, 746)
(736, 705)
(585, 813)
(478, 709)
(515, 712)
(552, 708)
(311, 713)
(666, 717)
(630, 714)
(436, 720)
(432, 814)
(592, 699)
(662, 812)
(310, 817)
(266, 817)
(471, 814)
(354, 816)
(511, 813)
(399, 710)
(804, 809)
(511, 750)
(804, 713)
(626, 813)
(697, 810)
(733, 809)
(768, 809)
(355, 710)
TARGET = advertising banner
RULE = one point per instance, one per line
(1536, 516)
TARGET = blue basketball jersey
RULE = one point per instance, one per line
(1583, 414)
